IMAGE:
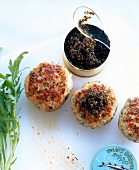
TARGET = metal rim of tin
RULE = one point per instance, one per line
(121, 154)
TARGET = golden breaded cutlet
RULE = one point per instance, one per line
(129, 119)
(48, 85)
(94, 104)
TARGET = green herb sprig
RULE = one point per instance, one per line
(10, 91)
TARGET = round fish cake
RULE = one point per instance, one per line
(129, 119)
(48, 86)
(94, 104)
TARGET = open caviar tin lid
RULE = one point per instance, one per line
(84, 15)
(114, 157)
(90, 24)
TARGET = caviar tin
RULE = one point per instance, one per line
(101, 38)
(114, 157)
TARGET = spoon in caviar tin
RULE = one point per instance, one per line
(90, 25)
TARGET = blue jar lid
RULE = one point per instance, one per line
(114, 157)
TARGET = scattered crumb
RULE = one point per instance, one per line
(76, 158)
(56, 153)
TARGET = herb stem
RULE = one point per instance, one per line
(10, 91)
(8, 164)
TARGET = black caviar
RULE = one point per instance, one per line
(86, 53)
(94, 101)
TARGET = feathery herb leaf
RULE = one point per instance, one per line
(10, 91)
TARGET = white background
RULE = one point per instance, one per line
(36, 26)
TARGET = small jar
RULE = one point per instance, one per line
(86, 55)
